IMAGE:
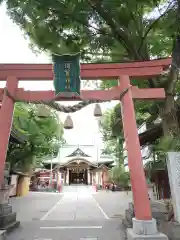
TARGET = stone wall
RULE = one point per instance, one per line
(173, 165)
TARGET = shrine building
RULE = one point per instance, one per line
(81, 165)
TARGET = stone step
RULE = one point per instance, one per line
(161, 206)
(158, 215)
(2, 235)
(7, 219)
(126, 224)
(124, 227)
(154, 204)
(5, 209)
(128, 216)
(131, 207)
(10, 227)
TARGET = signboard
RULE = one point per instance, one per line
(66, 69)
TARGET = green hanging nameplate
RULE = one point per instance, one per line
(66, 70)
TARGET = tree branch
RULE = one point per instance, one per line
(171, 81)
(134, 19)
(152, 25)
(174, 70)
(87, 25)
(120, 34)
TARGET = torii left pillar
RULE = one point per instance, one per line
(8, 218)
(6, 117)
(144, 226)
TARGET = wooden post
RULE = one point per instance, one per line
(138, 181)
(6, 117)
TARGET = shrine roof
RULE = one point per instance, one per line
(74, 152)
(102, 160)
(151, 134)
(57, 164)
(78, 153)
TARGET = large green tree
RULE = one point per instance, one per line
(109, 30)
(42, 135)
(112, 128)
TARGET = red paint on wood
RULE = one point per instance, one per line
(23, 95)
(85, 95)
(148, 94)
(152, 63)
(135, 163)
(106, 95)
(87, 74)
(114, 73)
(6, 116)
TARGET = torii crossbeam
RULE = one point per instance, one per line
(12, 73)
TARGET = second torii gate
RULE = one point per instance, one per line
(13, 73)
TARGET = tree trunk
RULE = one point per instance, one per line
(168, 114)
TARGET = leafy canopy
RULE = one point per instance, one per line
(43, 136)
(127, 29)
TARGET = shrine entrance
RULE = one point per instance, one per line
(78, 176)
(78, 171)
(125, 92)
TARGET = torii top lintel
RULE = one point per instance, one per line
(88, 71)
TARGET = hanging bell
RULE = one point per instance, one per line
(68, 123)
(43, 111)
(97, 110)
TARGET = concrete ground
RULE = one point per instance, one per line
(76, 214)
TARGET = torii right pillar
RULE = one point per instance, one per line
(144, 226)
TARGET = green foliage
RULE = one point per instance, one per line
(119, 176)
(112, 144)
(43, 137)
(118, 29)
(107, 122)
(168, 143)
(112, 127)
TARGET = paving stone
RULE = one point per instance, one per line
(76, 215)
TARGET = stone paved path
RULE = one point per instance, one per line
(76, 214)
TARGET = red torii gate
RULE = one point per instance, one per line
(12, 73)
